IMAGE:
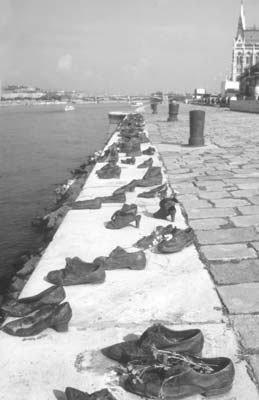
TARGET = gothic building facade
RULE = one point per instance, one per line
(245, 47)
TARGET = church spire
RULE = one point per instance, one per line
(241, 21)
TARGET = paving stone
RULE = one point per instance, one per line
(244, 271)
(213, 195)
(226, 252)
(229, 235)
(247, 327)
(211, 213)
(207, 223)
(229, 202)
(196, 204)
(248, 210)
(245, 220)
(254, 200)
(186, 197)
(249, 185)
(240, 299)
(245, 193)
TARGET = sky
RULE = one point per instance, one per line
(119, 46)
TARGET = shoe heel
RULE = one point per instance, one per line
(60, 326)
(217, 392)
(137, 220)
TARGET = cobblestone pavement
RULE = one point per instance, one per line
(218, 187)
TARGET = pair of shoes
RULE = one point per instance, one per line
(124, 217)
(120, 258)
(77, 272)
(146, 164)
(180, 376)
(26, 305)
(164, 363)
(75, 394)
(131, 147)
(159, 191)
(130, 187)
(149, 151)
(181, 238)
(55, 316)
(167, 208)
(130, 161)
(109, 171)
(96, 203)
(158, 235)
(152, 177)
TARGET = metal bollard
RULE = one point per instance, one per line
(153, 108)
(197, 119)
(173, 110)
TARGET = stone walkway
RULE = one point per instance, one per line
(218, 187)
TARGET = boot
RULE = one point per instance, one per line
(124, 216)
(179, 376)
(150, 151)
(188, 341)
(77, 272)
(55, 316)
(119, 258)
(115, 198)
(181, 238)
(152, 177)
(92, 204)
(130, 161)
(146, 164)
(109, 171)
(159, 191)
(167, 208)
(25, 306)
(130, 187)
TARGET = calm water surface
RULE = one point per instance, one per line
(39, 145)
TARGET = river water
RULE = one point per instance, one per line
(39, 146)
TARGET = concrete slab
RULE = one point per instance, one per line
(241, 299)
(247, 327)
(229, 235)
(244, 271)
(226, 252)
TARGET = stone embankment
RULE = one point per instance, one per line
(180, 290)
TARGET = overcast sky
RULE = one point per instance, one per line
(126, 46)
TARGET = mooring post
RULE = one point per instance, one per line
(173, 110)
(197, 120)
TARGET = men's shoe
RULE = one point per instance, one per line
(180, 377)
(159, 191)
(130, 187)
(146, 164)
(167, 208)
(109, 155)
(152, 177)
(155, 237)
(55, 316)
(109, 171)
(77, 272)
(75, 394)
(26, 305)
(124, 217)
(149, 151)
(130, 161)
(120, 258)
(181, 238)
(92, 204)
(186, 341)
(115, 198)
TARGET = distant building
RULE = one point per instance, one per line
(199, 93)
(245, 51)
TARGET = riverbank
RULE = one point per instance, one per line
(173, 289)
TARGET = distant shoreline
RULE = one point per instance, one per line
(48, 103)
